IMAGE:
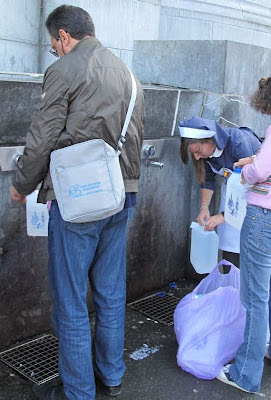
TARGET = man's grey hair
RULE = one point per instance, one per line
(74, 20)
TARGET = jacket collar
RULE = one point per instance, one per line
(86, 43)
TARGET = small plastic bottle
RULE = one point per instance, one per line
(235, 205)
(204, 249)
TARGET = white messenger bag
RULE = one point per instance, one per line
(87, 178)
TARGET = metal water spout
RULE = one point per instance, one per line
(9, 157)
(151, 155)
(156, 164)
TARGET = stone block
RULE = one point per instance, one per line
(160, 106)
(222, 31)
(216, 66)
(238, 111)
(117, 23)
(25, 302)
(184, 63)
(124, 20)
(20, 21)
(264, 38)
(157, 250)
(157, 2)
(212, 106)
(18, 57)
(19, 103)
(178, 28)
(173, 11)
(229, 8)
(190, 104)
(257, 62)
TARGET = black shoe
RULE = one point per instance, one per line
(112, 391)
(50, 393)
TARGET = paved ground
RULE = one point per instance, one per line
(156, 377)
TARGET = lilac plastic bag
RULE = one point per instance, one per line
(209, 323)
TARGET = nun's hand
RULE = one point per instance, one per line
(213, 221)
(243, 161)
(203, 216)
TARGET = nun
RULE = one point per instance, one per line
(214, 150)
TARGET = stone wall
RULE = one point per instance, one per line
(221, 84)
(24, 41)
(158, 234)
(20, 35)
(242, 21)
(245, 21)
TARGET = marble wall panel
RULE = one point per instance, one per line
(190, 104)
(212, 106)
(158, 235)
(160, 106)
(183, 63)
(19, 103)
(238, 111)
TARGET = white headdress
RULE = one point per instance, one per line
(193, 133)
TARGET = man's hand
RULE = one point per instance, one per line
(16, 196)
(243, 161)
(203, 216)
(213, 221)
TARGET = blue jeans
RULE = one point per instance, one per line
(255, 270)
(97, 249)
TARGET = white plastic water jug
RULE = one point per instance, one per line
(204, 249)
(37, 216)
(236, 203)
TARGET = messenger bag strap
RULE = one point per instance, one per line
(122, 139)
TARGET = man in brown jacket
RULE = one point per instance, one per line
(85, 96)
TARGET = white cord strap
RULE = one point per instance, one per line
(122, 139)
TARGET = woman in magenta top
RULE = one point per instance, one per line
(255, 260)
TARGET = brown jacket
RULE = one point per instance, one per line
(85, 96)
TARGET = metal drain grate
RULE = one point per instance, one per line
(159, 307)
(37, 359)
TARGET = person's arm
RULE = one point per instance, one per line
(244, 147)
(210, 223)
(243, 161)
(206, 197)
(42, 136)
(207, 190)
(16, 196)
(213, 221)
(260, 170)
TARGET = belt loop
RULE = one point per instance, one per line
(265, 210)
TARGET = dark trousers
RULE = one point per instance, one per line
(234, 258)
